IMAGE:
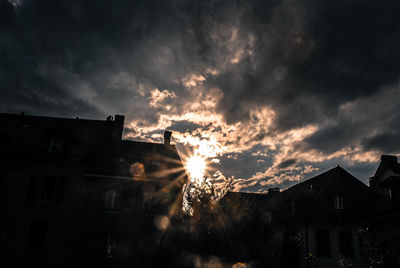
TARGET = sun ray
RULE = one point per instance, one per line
(167, 187)
(166, 172)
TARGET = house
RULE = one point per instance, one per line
(330, 220)
(319, 230)
(310, 224)
(386, 179)
(380, 221)
(73, 193)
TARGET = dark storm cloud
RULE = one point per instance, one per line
(330, 138)
(330, 52)
(386, 143)
(387, 140)
(307, 57)
(184, 125)
(45, 44)
(330, 64)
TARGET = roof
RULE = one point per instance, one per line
(335, 179)
(387, 162)
(97, 144)
(27, 132)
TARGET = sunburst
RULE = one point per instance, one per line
(196, 167)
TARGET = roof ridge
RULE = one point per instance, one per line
(328, 174)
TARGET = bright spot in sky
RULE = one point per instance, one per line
(196, 166)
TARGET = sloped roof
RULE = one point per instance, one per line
(334, 179)
(387, 162)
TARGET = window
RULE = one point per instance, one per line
(292, 207)
(37, 235)
(55, 144)
(110, 199)
(267, 216)
(110, 245)
(346, 243)
(45, 188)
(338, 202)
(387, 192)
(323, 242)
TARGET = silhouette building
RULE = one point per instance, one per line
(330, 220)
(386, 179)
(74, 193)
(310, 224)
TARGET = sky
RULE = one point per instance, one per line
(271, 92)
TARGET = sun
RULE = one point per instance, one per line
(196, 166)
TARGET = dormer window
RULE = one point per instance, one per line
(55, 144)
(338, 202)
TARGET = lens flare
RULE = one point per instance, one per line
(196, 166)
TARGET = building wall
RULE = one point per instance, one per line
(52, 212)
(59, 218)
(334, 245)
(135, 225)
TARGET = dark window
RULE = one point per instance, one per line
(37, 235)
(110, 245)
(45, 188)
(292, 207)
(387, 192)
(323, 242)
(55, 144)
(338, 202)
(346, 243)
(111, 199)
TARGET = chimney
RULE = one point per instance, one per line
(391, 159)
(118, 127)
(167, 137)
(119, 119)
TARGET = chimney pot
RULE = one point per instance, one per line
(167, 137)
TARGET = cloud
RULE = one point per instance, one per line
(287, 163)
(273, 90)
(157, 98)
